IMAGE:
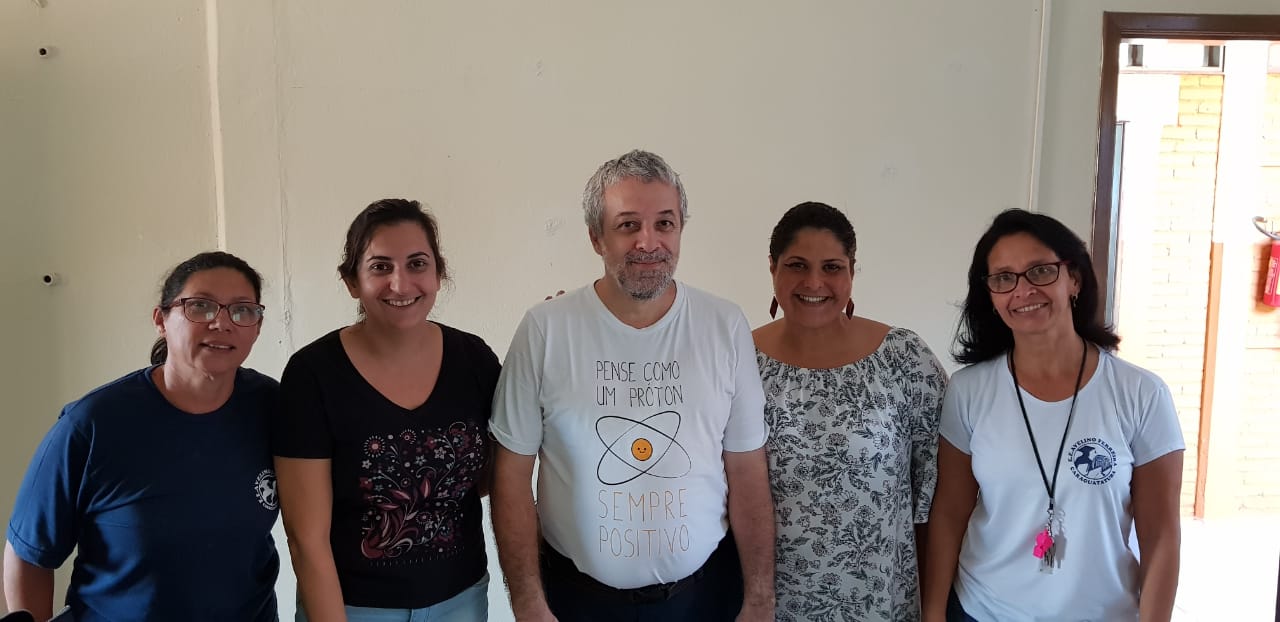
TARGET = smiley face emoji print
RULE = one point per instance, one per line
(638, 447)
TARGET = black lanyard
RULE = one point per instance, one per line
(1049, 487)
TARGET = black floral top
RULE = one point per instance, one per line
(853, 465)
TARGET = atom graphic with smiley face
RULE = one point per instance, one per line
(641, 447)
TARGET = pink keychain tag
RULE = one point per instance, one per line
(1046, 549)
(1044, 544)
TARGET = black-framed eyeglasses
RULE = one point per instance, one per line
(1038, 275)
(203, 311)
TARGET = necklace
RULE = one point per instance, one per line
(1048, 542)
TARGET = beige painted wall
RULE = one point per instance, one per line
(916, 117)
(105, 178)
(496, 122)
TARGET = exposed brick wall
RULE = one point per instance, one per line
(1259, 442)
(1173, 317)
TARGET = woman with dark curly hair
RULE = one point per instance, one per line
(1052, 448)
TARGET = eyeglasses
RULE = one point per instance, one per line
(203, 311)
(1040, 275)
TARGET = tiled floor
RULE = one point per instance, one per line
(1229, 569)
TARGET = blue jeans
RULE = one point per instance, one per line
(470, 605)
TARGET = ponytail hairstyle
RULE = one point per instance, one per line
(384, 213)
(178, 277)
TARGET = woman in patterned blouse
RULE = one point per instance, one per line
(853, 405)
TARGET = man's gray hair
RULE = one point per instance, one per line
(637, 164)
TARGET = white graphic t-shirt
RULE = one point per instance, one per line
(1124, 418)
(629, 425)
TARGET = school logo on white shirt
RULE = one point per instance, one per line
(1093, 461)
(264, 487)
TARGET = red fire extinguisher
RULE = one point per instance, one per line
(1271, 289)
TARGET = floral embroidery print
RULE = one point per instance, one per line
(413, 484)
(853, 465)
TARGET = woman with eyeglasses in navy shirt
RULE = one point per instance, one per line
(161, 480)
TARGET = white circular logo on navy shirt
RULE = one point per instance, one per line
(264, 487)
(1093, 461)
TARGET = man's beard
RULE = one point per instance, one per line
(647, 283)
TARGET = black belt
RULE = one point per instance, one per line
(555, 565)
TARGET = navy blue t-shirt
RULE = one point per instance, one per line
(172, 512)
(406, 527)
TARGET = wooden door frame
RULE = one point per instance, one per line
(1115, 28)
(1119, 26)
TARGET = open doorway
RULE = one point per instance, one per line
(1189, 153)
(1186, 141)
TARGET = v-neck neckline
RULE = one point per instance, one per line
(346, 358)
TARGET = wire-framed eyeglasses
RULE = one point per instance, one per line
(1038, 275)
(203, 311)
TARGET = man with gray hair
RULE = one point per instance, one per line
(642, 399)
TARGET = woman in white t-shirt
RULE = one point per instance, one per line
(1052, 449)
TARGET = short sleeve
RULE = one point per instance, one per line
(1158, 431)
(746, 429)
(488, 370)
(300, 428)
(47, 511)
(517, 404)
(926, 381)
(955, 424)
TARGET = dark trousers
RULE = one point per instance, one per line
(956, 613)
(713, 593)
